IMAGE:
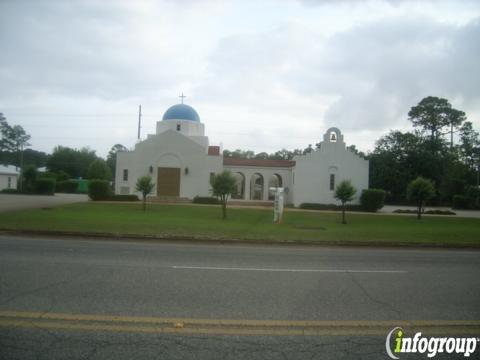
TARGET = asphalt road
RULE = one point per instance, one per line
(70, 298)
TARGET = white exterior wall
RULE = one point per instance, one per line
(311, 178)
(4, 181)
(266, 172)
(308, 181)
(187, 127)
(169, 149)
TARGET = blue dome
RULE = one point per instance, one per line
(181, 112)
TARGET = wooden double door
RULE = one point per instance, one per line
(168, 181)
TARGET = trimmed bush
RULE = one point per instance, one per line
(67, 186)
(99, 190)
(123, 198)
(372, 200)
(439, 212)
(460, 202)
(330, 207)
(45, 186)
(9, 191)
(205, 200)
(428, 212)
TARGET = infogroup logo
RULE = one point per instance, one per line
(431, 346)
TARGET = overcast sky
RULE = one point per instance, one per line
(263, 75)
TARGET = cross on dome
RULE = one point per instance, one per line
(182, 97)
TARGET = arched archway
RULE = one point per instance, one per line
(256, 187)
(240, 186)
(275, 181)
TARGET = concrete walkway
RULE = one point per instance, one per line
(12, 202)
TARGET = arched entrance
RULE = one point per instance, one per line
(240, 186)
(256, 187)
(275, 181)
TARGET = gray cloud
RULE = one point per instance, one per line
(375, 71)
(288, 82)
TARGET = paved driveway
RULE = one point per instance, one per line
(10, 202)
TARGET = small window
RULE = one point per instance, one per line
(125, 175)
(332, 182)
(9, 185)
(179, 127)
(124, 190)
(212, 175)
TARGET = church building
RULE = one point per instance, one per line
(181, 162)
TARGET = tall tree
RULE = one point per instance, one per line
(433, 114)
(99, 170)
(469, 145)
(13, 138)
(470, 149)
(5, 141)
(30, 156)
(72, 161)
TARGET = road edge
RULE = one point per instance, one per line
(226, 241)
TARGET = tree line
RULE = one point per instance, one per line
(442, 147)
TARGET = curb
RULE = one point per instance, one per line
(226, 241)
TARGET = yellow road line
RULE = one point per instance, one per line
(72, 326)
(238, 322)
(137, 324)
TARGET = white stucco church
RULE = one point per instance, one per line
(181, 161)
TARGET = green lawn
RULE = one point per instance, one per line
(204, 222)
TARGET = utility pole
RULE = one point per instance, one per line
(20, 183)
(139, 120)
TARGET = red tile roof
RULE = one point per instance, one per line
(214, 150)
(257, 162)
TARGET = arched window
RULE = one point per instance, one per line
(256, 187)
(240, 186)
(275, 181)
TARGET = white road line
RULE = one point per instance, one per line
(290, 270)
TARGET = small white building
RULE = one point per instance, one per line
(181, 161)
(8, 177)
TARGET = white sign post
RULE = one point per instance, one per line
(278, 205)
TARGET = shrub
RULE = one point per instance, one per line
(123, 198)
(99, 190)
(28, 177)
(428, 212)
(45, 186)
(372, 200)
(9, 191)
(460, 202)
(68, 186)
(330, 207)
(205, 200)
(439, 212)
